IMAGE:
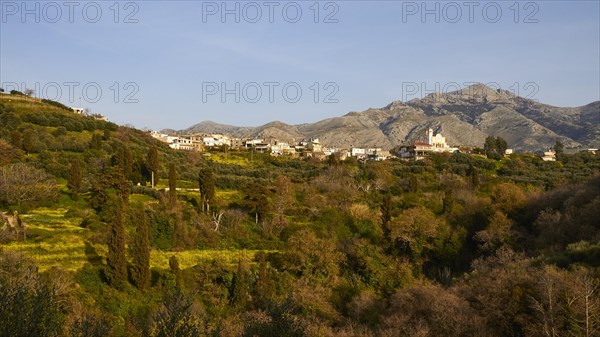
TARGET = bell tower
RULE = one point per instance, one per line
(429, 136)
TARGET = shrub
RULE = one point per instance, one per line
(56, 104)
(21, 183)
(31, 304)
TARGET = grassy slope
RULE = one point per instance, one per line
(56, 240)
(22, 104)
(55, 237)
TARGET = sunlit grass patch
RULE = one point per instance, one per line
(25, 104)
(230, 159)
(47, 222)
(189, 258)
(139, 198)
(230, 196)
(57, 241)
(53, 239)
(184, 184)
(48, 212)
(69, 256)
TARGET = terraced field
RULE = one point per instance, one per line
(57, 240)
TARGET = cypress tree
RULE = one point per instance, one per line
(127, 162)
(179, 231)
(96, 142)
(474, 174)
(116, 271)
(152, 162)
(176, 270)
(447, 202)
(140, 253)
(206, 186)
(239, 286)
(123, 159)
(413, 184)
(501, 146)
(172, 184)
(119, 176)
(264, 288)
(75, 179)
(559, 149)
(386, 214)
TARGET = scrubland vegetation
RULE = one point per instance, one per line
(244, 244)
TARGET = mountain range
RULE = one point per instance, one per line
(464, 117)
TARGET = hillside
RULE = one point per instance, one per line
(465, 117)
(236, 243)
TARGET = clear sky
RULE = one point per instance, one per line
(171, 64)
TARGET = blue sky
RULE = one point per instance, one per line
(164, 64)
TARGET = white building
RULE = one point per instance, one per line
(163, 137)
(187, 143)
(425, 146)
(358, 152)
(250, 143)
(549, 156)
(171, 139)
(282, 148)
(215, 140)
(330, 150)
(314, 145)
(157, 134)
(372, 151)
(379, 155)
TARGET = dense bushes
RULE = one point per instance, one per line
(71, 123)
(563, 216)
(30, 302)
(56, 104)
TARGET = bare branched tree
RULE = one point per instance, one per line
(217, 217)
(21, 183)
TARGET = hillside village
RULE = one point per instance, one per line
(418, 149)
(309, 148)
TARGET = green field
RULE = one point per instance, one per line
(56, 240)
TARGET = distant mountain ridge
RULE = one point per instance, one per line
(464, 117)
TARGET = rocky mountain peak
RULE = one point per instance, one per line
(465, 117)
(474, 94)
(395, 105)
